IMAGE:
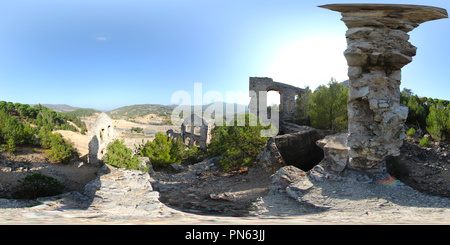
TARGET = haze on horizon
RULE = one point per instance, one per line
(109, 54)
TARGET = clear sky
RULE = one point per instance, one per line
(105, 54)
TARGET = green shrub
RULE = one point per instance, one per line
(10, 146)
(438, 122)
(118, 155)
(37, 185)
(239, 145)
(61, 150)
(137, 130)
(411, 132)
(159, 151)
(424, 142)
(164, 151)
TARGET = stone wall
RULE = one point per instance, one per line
(102, 133)
(288, 106)
(191, 137)
(297, 148)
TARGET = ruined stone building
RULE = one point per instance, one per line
(102, 133)
(288, 93)
(194, 131)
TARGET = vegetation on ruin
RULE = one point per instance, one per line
(239, 145)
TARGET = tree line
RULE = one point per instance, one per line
(430, 114)
(326, 107)
(21, 125)
(40, 115)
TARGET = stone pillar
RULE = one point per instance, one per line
(377, 49)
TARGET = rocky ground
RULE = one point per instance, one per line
(425, 168)
(204, 194)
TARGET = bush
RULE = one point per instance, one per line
(137, 130)
(411, 132)
(438, 122)
(159, 151)
(118, 155)
(61, 150)
(10, 146)
(239, 145)
(424, 142)
(38, 185)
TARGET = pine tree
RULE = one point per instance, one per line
(118, 155)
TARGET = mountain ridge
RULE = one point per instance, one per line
(137, 110)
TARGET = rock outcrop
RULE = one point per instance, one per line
(377, 49)
(335, 152)
(123, 189)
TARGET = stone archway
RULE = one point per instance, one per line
(258, 88)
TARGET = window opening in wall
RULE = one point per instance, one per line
(273, 102)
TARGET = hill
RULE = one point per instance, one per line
(59, 107)
(165, 110)
(140, 110)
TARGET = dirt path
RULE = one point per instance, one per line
(80, 142)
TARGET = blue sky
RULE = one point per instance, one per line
(105, 54)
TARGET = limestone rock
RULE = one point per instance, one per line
(377, 48)
(285, 176)
(335, 150)
(117, 188)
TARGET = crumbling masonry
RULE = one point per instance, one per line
(189, 134)
(377, 49)
(288, 106)
(102, 134)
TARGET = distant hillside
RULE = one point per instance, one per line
(140, 110)
(163, 110)
(83, 112)
(59, 107)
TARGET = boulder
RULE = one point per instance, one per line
(285, 176)
(335, 150)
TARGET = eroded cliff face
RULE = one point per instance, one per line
(378, 48)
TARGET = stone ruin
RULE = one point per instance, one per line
(258, 88)
(377, 49)
(102, 133)
(189, 134)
